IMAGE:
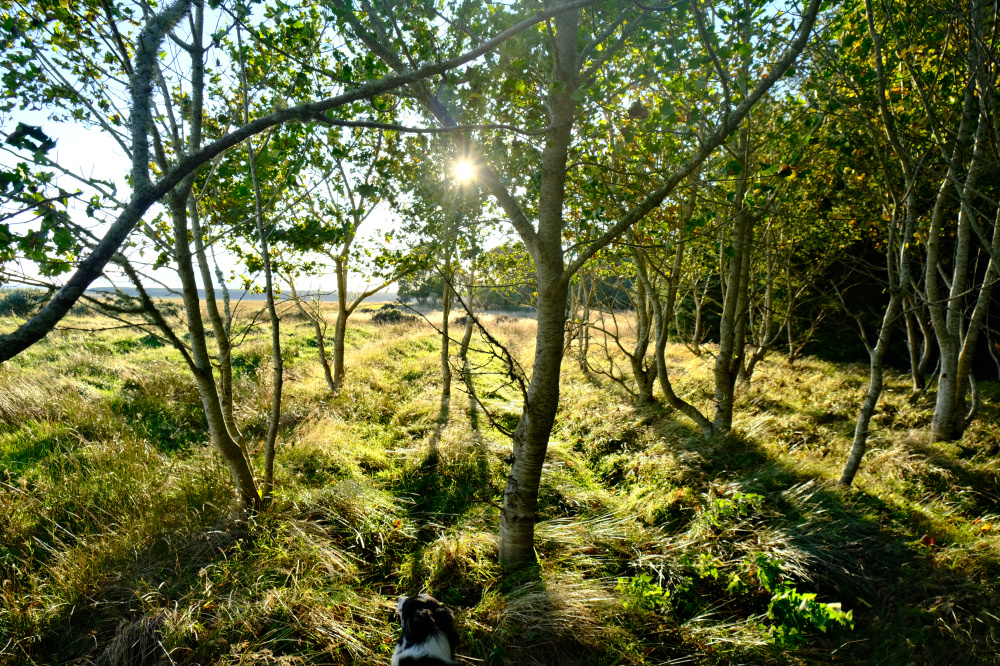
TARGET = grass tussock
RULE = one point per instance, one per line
(120, 541)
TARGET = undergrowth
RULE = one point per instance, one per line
(120, 541)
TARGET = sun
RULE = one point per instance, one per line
(464, 170)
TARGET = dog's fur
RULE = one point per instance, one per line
(429, 637)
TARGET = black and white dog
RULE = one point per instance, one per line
(429, 637)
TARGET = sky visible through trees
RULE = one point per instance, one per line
(758, 181)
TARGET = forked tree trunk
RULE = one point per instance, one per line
(899, 277)
(732, 326)
(643, 372)
(223, 343)
(876, 375)
(662, 313)
(319, 326)
(230, 450)
(954, 335)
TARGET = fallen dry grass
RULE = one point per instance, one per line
(120, 544)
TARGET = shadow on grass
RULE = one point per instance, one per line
(984, 484)
(448, 481)
(872, 553)
(171, 567)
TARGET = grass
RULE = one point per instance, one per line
(120, 542)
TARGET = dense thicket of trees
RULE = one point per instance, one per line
(734, 177)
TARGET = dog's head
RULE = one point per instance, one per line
(428, 632)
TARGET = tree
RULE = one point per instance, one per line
(574, 71)
(82, 34)
(914, 102)
(91, 59)
(348, 182)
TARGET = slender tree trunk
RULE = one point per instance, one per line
(698, 333)
(765, 335)
(915, 343)
(949, 419)
(661, 319)
(875, 378)
(224, 344)
(732, 325)
(265, 255)
(319, 327)
(643, 373)
(469, 323)
(445, 340)
(274, 419)
(340, 326)
(927, 351)
(587, 298)
(899, 278)
(230, 450)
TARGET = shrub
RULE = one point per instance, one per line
(22, 302)
(391, 316)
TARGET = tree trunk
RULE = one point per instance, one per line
(927, 352)
(916, 344)
(661, 318)
(531, 437)
(732, 326)
(643, 373)
(587, 299)
(875, 378)
(319, 327)
(230, 450)
(898, 270)
(463, 351)
(224, 344)
(265, 255)
(274, 419)
(948, 422)
(445, 340)
(340, 326)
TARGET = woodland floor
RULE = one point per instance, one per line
(120, 542)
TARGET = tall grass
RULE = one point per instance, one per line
(121, 543)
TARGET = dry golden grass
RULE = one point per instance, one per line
(118, 536)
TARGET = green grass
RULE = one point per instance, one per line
(120, 541)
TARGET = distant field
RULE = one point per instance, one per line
(238, 295)
(120, 542)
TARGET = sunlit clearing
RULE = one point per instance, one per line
(464, 171)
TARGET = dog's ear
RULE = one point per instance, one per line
(445, 620)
